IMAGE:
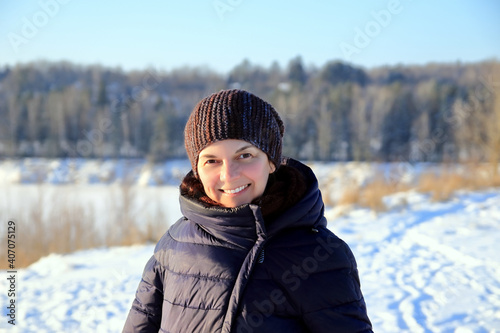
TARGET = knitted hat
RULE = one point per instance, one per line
(234, 114)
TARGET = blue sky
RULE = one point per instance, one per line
(222, 33)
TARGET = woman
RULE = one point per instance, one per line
(252, 252)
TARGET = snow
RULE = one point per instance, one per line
(429, 267)
(424, 266)
(88, 171)
(88, 291)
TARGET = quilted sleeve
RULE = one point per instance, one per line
(145, 314)
(334, 302)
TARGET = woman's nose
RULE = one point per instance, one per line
(229, 171)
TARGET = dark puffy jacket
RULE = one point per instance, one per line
(222, 270)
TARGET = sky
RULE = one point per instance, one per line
(220, 34)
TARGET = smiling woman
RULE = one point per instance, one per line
(252, 252)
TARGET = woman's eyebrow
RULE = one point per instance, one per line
(244, 147)
(250, 146)
(207, 156)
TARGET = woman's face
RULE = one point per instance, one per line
(233, 172)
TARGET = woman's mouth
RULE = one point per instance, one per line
(236, 190)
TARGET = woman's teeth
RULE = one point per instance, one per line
(236, 190)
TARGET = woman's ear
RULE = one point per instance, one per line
(272, 167)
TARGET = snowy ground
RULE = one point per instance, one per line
(429, 267)
(424, 267)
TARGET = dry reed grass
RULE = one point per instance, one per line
(441, 184)
(373, 193)
(349, 196)
(66, 226)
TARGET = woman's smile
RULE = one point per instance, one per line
(236, 190)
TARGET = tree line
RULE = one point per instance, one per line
(335, 112)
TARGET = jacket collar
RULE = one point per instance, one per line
(244, 223)
(309, 211)
(239, 226)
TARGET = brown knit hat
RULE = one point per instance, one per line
(234, 114)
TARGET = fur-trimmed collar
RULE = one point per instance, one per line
(285, 187)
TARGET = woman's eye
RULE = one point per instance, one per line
(210, 161)
(245, 155)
